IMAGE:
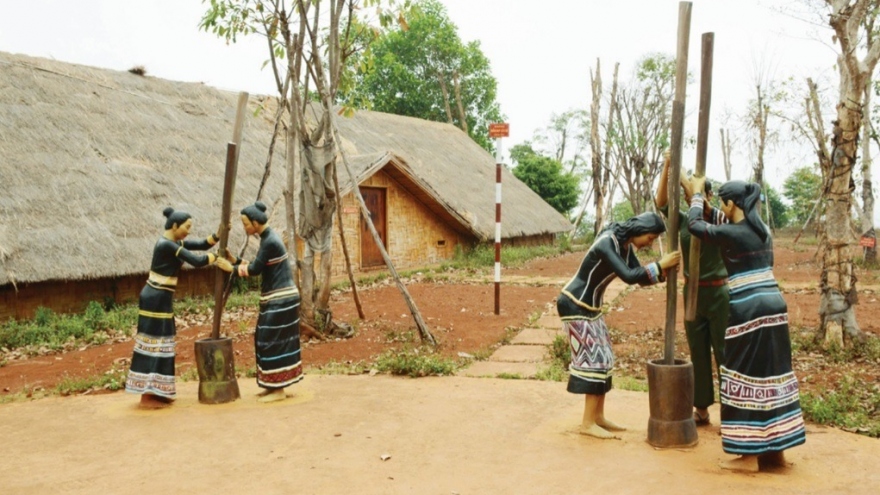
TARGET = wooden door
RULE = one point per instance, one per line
(374, 197)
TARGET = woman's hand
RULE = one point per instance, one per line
(669, 260)
(231, 257)
(223, 264)
(687, 188)
(698, 184)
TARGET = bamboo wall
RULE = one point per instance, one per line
(415, 236)
(74, 296)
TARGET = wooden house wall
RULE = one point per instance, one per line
(416, 236)
(74, 296)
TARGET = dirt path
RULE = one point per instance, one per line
(444, 436)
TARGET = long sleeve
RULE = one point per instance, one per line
(705, 231)
(201, 244)
(631, 271)
(194, 259)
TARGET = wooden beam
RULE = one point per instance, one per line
(673, 188)
(702, 147)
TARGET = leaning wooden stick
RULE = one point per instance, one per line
(702, 145)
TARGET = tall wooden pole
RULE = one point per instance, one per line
(673, 187)
(232, 149)
(226, 212)
(702, 147)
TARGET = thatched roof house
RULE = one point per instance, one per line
(90, 157)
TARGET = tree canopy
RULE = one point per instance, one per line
(423, 69)
(802, 188)
(545, 176)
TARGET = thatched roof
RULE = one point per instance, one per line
(89, 158)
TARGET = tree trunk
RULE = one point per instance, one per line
(461, 115)
(761, 124)
(867, 216)
(606, 175)
(596, 158)
(725, 152)
(445, 91)
(838, 281)
(838, 284)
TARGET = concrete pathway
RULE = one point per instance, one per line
(527, 352)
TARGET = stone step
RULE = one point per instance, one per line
(493, 369)
(519, 354)
(535, 336)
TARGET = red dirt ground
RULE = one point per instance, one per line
(460, 316)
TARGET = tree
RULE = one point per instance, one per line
(802, 188)
(779, 216)
(313, 72)
(545, 176)
(850, 19)
(413, 68)
(642, 128)
(566, 138)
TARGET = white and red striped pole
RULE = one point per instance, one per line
(498, 131)
(498, 226)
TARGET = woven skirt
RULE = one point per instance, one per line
(591, 356)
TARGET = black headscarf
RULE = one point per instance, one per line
(745, 195)
(646, 223)
(256, 213)
(173, 216)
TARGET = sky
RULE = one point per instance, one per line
(541, 53)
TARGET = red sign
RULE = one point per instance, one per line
(499, 130)
(867, 242)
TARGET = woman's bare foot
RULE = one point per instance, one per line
(271, 395)
(773, 459)
(597, 432)
(742, 464)
(701, 416)
(150, 401)
(610, 425)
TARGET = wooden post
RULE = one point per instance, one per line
(702, 146)
(354, 289)
(226, 211)
(215, 358)
(673, 188)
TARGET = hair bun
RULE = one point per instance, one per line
(168, 211)
(260, 206)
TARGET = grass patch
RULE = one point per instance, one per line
(630, 383)
(56, 332)
(483, 255)
(341, 368)
(113, 379)
(509, 376)
(560, 357)
(415, 362)
(851, 405)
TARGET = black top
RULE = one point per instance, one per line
(606, 259)
(271, 262)
(168, 256)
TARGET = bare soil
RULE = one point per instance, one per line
(458, 308)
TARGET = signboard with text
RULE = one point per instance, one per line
(499, 130)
